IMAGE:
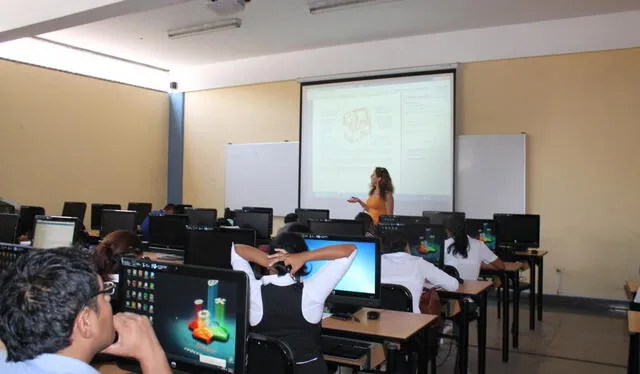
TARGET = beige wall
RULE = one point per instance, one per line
(68, 137)
(582, 114)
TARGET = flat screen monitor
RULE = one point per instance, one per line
(54, 232)
(360, 286)
(212, 246)
(9, 253)
(198, 314)
(517, 231)
(258, 209)
(168, 231)
(426, 241)
(27, 219)
(8, 227)
(483, 230)
(182, 208)
(113, 220)
(74, 209)
(96, 213)
(259, 221)
(202, 216)
(438, 218)
(349, 227)
(304, 215)
(404, 219)
(142, 211)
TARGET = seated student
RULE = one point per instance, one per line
(144, 227)
(283, 305)
(400, 267)
(465, 253)
(289, 220)
(55, 316)
(369, 226)
(115, 245)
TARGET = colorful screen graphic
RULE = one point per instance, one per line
(483, 230)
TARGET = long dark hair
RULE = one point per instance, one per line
(460, 245)
(385, 184)
(292, 243)
(116, 244)
(365, 218)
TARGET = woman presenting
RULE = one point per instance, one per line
(380, 201)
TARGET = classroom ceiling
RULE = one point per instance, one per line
(277, 26)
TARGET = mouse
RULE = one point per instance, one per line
(534, 251)
(373, 315)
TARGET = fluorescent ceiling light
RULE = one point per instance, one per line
(322, 6)
(233, 23)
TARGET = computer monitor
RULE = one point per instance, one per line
(27, 218)
(9, 253)
(404, 219)
(483, 230)
(113, 220)
(426, 241)
(182, 208)
(96, 213)
(54, 232)
(259, 221)
(258, 209)
(74, 209)
(360, 286)
(349, 227)
(212, 246)
(142, 211)
(517, 231)
(8, 227)
(304, 215)
(199, 314)
(202, 216)
(438, 218)
(168, 231)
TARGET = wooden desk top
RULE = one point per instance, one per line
(391, 324)
(473, 287)
(153, 256)
(508, 267)
(529, 253)
(110, 368)
(630, 288)
(634, 322)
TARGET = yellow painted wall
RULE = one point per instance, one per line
(68, 137)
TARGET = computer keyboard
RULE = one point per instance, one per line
(345, 349)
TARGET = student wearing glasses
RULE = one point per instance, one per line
(55, 317)
(380, 201)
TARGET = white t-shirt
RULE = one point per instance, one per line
(412, 272)
(469, 268)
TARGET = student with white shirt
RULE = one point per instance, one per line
(284, 306)
(400, 267)
(465, 253)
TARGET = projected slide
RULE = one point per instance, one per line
(404, 124)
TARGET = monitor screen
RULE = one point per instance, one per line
(54, 232)
(142, 211)
(9, 253)
(520, 231)
(27, 219)
(169, 231)
(483, 230)
(96, 213)
(8, 227)
(426, 241)
(113, 220)
(347, 227)
(361, 284)
(404, 219)
(202, 217)
(198, 314)
(438, 218)
(74, 209)
(304, 215)
(212, 247)
(259, 221)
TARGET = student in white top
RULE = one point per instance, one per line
(285, 306)
(400, 267)
(465, 253)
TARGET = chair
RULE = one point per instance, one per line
(269, 355)
(395, 297)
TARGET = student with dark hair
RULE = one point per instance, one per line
(289, 219)
(115, 245)
(400, 267)
(285, 306)
(55, 316)
(380, 200)
(369, 226)
(144, 227)
(465, 253)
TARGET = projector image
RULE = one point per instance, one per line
(226, 7)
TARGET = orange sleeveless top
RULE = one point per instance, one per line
(376, 207)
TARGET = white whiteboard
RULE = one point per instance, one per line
(262, 174)
(491, 174)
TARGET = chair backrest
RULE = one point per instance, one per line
(396, 297)
(452, 271)
(269, 355)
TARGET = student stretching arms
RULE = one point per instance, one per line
(284, 306)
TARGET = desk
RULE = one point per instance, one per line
(477, 290)
(535, 296)
(633, 365)
(510, 273)
(392, 326)
(631, 288)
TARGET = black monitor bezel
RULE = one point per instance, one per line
(73, 205)
(76, 227)
(163, 245)
(430, 213)
(191, 209)
(387, 218)
(28, 214)
(321, 211)
(187, 249)
(440, 263)
(255, 211)
(242, 328)
(492, 223)
(353, 222)
(117, 212)
(500, 244)
(96, 219)
(15, 226)
(141, 214)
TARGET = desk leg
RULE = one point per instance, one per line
(482, 334)
(634, 361)
(532, 294)
(505, 317)
(540, 287)
(516, 309)
(464, 338)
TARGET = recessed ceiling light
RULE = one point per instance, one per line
(233, 23)
(322, 6)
